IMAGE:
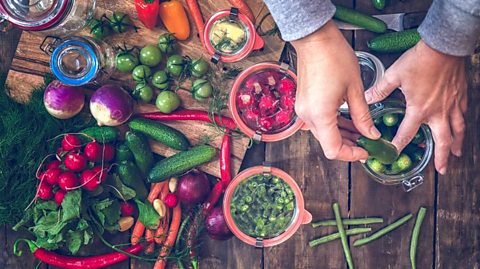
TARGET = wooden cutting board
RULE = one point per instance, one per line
(30, 64)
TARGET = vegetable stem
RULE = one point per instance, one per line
(358, 221)
(343, 236)
(415, 234)
(383, 231)
(334, 236)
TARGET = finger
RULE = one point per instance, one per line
(346, 124)
(407, 130)
(348, 142)
(346, 134)
(360, 114)
(382, 89)
(464, 103)
(443, 141)
(457, 123)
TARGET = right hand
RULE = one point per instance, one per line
(329, 75)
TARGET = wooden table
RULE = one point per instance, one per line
(450, 235)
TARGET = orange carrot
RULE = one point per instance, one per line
(243, 8)
(163, 227)
(170, 241)
(197, 17)
(151, 244)
(139, 228)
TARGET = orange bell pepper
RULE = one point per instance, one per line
(175, 19)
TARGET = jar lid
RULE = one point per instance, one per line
(229, 36)
(74, 62)
(34, 15)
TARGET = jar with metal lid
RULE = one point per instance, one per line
(49, 17)
(77, 61)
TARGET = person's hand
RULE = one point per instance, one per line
(436, 94)
(329, 75)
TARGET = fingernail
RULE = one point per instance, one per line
(443, 171)
(457, 153)
(374, 132)
(363, 161)
(368, 97)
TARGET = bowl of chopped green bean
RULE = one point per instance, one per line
(264, 206)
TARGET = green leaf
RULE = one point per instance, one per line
(87, 236)
(112, 213)
(147, 215)
(43, 243)
(82, 225)
(71, 205)
(27, 218)
(122, 191)
(47, 205)
(74, 241)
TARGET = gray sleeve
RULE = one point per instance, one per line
(299, 18)
(452, 26)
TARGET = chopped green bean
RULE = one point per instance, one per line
(383, 231)
(343, 235)
(358, 221)
(415, 234)
(334, 236)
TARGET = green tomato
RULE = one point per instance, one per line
(201, 89)
(141, 73)
(167, 43)
(175, 65)
(99, 29)
(126, 61)
(160, 80)
(199, 67)
(143, 92)
(167, 101)
(150, 55)
(120, 22)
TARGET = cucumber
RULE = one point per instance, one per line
(390, 120)
(142, 154)
(387, 132)
(133, 178)
(161, 133)
(123, 153)
(375, 165)
(104, 134)
(415, 153)
(354, 17)
(181, 163)
(403, 163)
(379, 4)
(380, 149)
(395, 41)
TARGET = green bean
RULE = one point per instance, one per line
(358, 221)
(382, 231)
(343, 235)
(415, 234)
(334, 236)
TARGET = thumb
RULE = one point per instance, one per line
(381, 89)
(360, 114)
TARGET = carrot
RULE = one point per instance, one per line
(139, 228)
(163, 227)
(175, 19)
(197, 17)
(170, 241)
(243, 8)
(151, 244)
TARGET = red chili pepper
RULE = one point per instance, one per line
(213, 197)
(147, 11)
(225, 160)
(69, 262)
(188, 114)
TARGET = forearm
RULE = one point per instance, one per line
(299, 18)
(452, 27)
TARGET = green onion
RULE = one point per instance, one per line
(359, 221)
(382, 231)
(343, 236)
(415, 234)
(334, 236)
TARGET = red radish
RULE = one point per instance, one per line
(283, 118)
(250, 117)
(59, 195)
(171, 200)
(60, 152)
(89, 180)
(250, 83)
(67, 181)
(287, 102)
(41, 176)
(269, 77)
(71, 142)
(245, 100)
(99, 173)
(266, 124)
(127, 209)
(286, 87)
(45, 191)
(109, 152)
(51, 175)
(93, 151)
(267, 105)
(53, 164)
(75, 161)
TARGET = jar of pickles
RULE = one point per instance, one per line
(77, 61)
(49, 17)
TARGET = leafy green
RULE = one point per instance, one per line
(74, 240)
(121, 190)
(147, 215)
(71, 205)
(107, 212)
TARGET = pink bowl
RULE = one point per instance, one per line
(301, 215)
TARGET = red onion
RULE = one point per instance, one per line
(111, 105)
(216, 225)
(193, 188)
(62, 101)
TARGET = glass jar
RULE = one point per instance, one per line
(229, 36)
(79, 60)
(50, 17)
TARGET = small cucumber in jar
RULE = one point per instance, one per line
(390, 120)
(402, 164)
(379, 4)
(387, 132)
(376, 166)
(380, 149)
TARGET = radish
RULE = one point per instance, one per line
(41, 176)
(99, 173)
(71, 142)
(53, 164)
(51, 175)
(127, 209)
(266, 124)
(286, 87)
(44, 191)
(75, 161)
(109, 152)
(93, 151)
(267, 105)
(287, 102)
(59, 195)
(89, 180)
(67, 181)
(171, 200)
(283, 118)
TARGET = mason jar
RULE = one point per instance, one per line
(78, 60)
(49, 17)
